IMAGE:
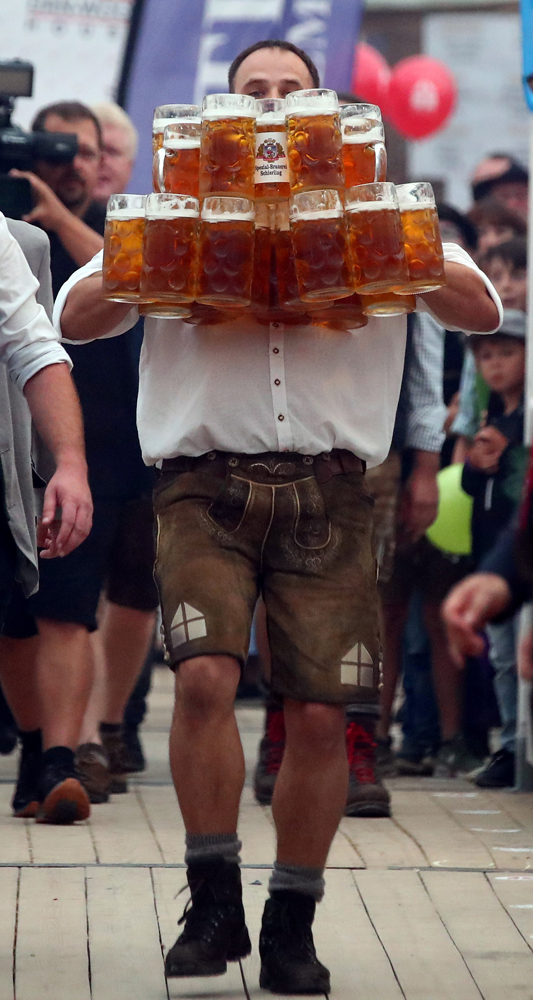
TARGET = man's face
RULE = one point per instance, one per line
(272, 73)
(74, 182)
(512, 194)
(510, 282)
(116, 163)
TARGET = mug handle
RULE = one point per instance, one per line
(381, 162)
(160, 154)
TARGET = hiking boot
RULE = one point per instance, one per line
(62, 797)
(499, 772)
(93, 772)
(366, 794)
(454, 758)
(134, 757)
(288, 958)
(270, 756)
(385, 757)
(415, 764)
(117, 759)
(25, 801)
(215, 931)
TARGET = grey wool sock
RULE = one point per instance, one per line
(309, 881)
(206, 846)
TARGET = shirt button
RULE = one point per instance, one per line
(277, 381)
(281, 417)
(275, 350)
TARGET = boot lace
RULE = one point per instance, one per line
(361, 754)
(275, 741)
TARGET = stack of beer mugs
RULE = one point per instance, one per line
(280, 208)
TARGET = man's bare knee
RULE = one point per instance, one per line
(206, 685)
(315, 727)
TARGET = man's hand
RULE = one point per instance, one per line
(420, 499)
(487, 449)
(68, 489)
(468, 608)
(49, 211)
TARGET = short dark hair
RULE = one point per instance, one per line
(477, 340)
(513, 252)
(69, 111)
(272, 43)
(447, 213)
(491, 212)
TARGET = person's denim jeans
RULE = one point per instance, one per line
(502, 656)
(419, 714)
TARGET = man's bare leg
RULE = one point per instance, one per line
(18, 674)
(126, 636)
(394, 618)
(90, 732)
(64, 674)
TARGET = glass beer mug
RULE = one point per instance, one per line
(123, 243)
(227, 151)
(376, 237)
(226, 252)
(168, 279)
(271, 163)
(422, 239)
(387, 304)
(320, 245)
(179, 158)
(363, 144)
(164, 115)
(314, 140)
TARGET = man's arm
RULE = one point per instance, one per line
(56, 412)
(79, 240)
(87, 315)
(464, 301)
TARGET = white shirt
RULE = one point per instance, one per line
(243, 387)
(28, 341)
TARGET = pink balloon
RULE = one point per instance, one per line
(422, 96)
(371, 75)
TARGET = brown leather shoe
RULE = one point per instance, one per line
(93, 770)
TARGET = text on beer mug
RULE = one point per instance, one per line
(376, 237)
(123, 241)
(320, 244)
(363, 144)
(387, 304)
(271, 162)
(179, 158)
(226, 252)
(314, 140)
(168, 279)
(421, 234)
(164, 115)
(227, 151)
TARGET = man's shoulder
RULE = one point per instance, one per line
(95, 217)
(27, 236)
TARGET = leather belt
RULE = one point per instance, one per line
(289, 463)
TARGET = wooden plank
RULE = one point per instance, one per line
(518, 806)
(14, 844)
(164, 818)
(381, 843)
(256, 831)
(8, 916)
(62, 844)
(51, 953)
(422, 955)
(124, 945)
(510, 845)
(122, 834)
(444, 842)
(515, 893)
(496, 954)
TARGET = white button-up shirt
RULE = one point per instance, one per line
(244, 387)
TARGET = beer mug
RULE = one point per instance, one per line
(320, 244)
(168, 279)
(164, 115)
(271, 163)
(226, 252)
(227, 151)
(344, 314)
(376, 237)
(179, 158)
(387, 304)
(314, 140)
(261, 283)
(421, 234)
(363, 144)
(123, 243)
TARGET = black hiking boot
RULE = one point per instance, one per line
(62, 797)
(25, 801)
(215, 932)
(288, 958)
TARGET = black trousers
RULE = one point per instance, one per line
(8, 557)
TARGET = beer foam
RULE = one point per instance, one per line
(215, 114)
(371, 206)
(360, 138)
(125, 213)
(416, 206)
(178, 143)
(163, 212)
(302, 111)
(323, 213)
(208, 215)
(271, 118)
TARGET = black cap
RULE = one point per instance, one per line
(514, 172)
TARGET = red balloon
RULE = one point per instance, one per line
(371, 75)
(422, 95)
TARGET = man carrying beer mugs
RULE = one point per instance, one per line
(263, 440)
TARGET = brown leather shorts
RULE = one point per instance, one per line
(296, 529)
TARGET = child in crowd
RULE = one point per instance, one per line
(493, 475)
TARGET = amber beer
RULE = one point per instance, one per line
(376, 238)
(227, 150)
(226, 252)
(262, 292)
(422, 239)
(314, 140)
(165, 115)
(363, 144)
(344, 314)
(271, 162)
(387, 304)
(320, 245)
(123, 242)
(179, 159)
(168, 279)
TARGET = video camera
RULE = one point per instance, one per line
(20, 149)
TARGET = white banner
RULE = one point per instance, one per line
(75, 46)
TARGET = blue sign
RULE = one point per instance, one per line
(179, 51)
(526, 10)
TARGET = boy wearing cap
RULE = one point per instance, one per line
(493, 475)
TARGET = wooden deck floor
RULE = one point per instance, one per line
(433, 904)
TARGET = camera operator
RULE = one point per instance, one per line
(63, 192)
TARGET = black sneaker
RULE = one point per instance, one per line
(288, 957)
(62, 797)
(25, 801)
(134, 757)
(499, 772)
(215, 931)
